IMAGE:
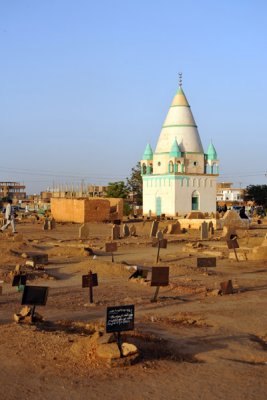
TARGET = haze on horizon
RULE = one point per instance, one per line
(85, 85)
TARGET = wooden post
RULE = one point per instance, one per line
(157, 259)
(155, 298)
(236, 254)
(91, 299)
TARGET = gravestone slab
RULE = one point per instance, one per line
(154, 228)
(132, 229)
(204, 232)
(227, 287)
(52, 223)
(126, 230)
(45, 225)
(84, 231)
(174, 228)
(115, 232)
(159, 235)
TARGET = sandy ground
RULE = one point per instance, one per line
(193, 345)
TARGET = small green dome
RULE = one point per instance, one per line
(212, 154)
(175, 150)
(148, 153)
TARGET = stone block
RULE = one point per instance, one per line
(128, 349)
(107, 338)
(109, 351)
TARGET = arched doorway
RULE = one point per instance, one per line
(195, 201)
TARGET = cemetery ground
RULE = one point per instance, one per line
(194, 343)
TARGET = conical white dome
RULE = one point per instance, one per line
(180, 125)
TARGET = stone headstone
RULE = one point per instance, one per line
(159, 235)
(126, 230)
(174, 228)
(84, 231)
(154, 228)
(115, 232)
(52, 223)
(211, 228)
(45, 226)
(204, 232)
(132, 230)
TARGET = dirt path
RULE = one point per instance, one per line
(193, 346)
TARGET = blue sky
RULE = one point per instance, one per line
(84, 85)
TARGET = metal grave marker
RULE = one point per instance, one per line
(120, 318)
(159, 277)
(89, 281)
(34, 296)
(111, 247)
(233, 244)
(19, 281)
(206, 262)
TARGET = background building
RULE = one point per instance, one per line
(12, 190)
(228, 195)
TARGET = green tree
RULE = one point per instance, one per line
(257, 193)
(135, 184)
(117, 190)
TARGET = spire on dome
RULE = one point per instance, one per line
(148, 153)
(211, 153)
(180, 79)
(175, 150)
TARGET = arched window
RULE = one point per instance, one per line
(144, 169)
(170, 167)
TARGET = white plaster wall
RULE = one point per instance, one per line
(176, 195)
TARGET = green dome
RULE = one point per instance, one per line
(212, 154)
(148, 153)
(175, 150)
